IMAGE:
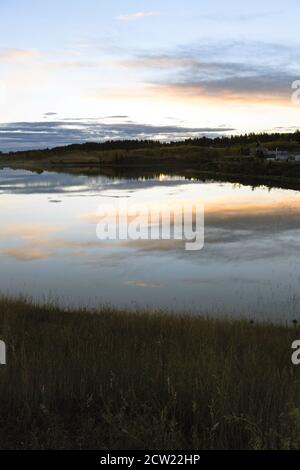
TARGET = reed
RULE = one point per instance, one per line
(144, 380)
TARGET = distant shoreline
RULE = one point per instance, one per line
(227, 159)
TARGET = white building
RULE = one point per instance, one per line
(279, 155)
(282, 156)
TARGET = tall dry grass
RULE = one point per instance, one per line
(118, 380)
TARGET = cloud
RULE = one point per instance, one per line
(28, 232)
(16, 54)
(158, 61)
(124, 116)
(80, 64)
(26, 254)
(138, 16)
(47, 134)
(261, 88)
(246, 71)
(141, 283)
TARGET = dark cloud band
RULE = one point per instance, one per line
(38, 135)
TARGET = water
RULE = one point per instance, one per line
(249, 265)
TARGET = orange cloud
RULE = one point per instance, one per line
(27, 231)
(26, 253)
(140, 283)
(17, 54)
(200, 94)
(195, 94)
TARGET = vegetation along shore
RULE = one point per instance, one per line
(110, 379)
(234, 159)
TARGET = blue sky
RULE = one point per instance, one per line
(92, 70)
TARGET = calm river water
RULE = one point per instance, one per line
(249, 265)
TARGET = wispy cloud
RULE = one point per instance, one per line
(26, 253)
(212, 72)
(137, 16)
(141, 283)
(158, 61)
(17, 54)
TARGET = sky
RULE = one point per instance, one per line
(78, 70)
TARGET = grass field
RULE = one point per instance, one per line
(118, 380)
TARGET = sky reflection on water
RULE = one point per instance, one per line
(249, 264)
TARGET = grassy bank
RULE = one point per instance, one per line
(117, 380)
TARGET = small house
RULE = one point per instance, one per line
(281, 155)
(278, 155)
